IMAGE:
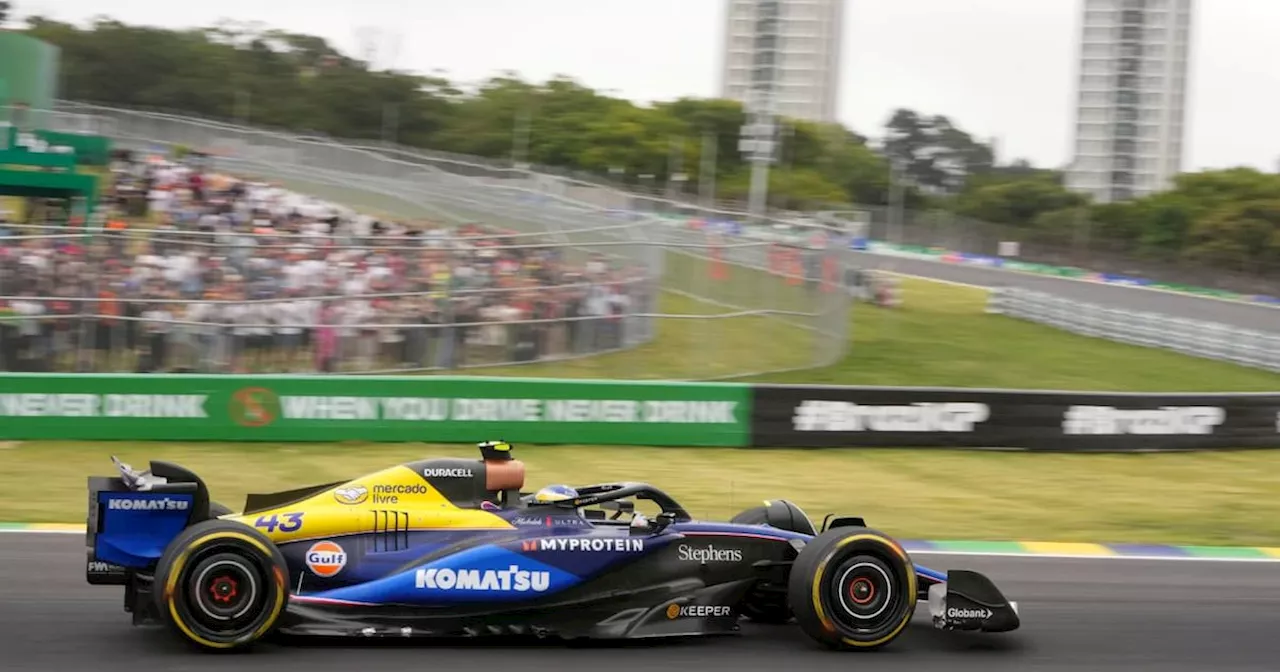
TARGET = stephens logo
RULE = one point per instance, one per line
(326, 558)
(356, 494)
(254, 407)
(512, 579)
(698, 611)
(447, 473)
(709, 554)
(149, 504)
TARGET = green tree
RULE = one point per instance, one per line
(933, 151)
(1240, 236)
(1016, 201)
(1228, 219)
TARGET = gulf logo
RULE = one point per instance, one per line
(326, 558)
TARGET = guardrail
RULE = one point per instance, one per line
(548, 411)
(1210, 340)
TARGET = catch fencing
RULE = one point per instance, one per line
(1210, 340)
(722, 307)
(143, 301)
(1079, 242)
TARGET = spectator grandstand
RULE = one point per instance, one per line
(193, 271)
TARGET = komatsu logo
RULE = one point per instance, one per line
(1166, 420)
(512, 579)
(149, 504)
(953, 612)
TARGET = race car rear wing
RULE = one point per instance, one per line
(133, 516)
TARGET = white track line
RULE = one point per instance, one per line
(1027, 556)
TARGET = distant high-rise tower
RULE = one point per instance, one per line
(1132, 97)
(801, 49)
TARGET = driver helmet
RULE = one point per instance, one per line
(555, 493)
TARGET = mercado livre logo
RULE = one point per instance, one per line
(253, 407)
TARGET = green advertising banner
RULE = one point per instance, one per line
(432, 409)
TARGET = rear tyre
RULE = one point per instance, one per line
(767, 602)
(218, 510)
(853, 588)
(220, 585)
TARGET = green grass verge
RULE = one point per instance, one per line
(942, 338)
(939, 338)
(699, 346)
(1201, 498)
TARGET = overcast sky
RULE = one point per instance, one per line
(998, 68)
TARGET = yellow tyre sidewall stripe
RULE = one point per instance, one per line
(826, 621)
(176, 572)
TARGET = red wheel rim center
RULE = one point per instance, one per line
(223, 589)
(862, 591)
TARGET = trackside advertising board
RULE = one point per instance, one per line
(434, 409)
(851, 417)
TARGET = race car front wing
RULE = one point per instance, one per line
(968, 600)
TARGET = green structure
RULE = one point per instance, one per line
(36, 163)
(35, 169)
(28, 73)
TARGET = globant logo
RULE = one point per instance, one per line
(149, 504)
(512, 579)
(953, 612)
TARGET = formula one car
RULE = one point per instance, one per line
(454, 548)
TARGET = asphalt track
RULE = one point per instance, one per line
(1257, 317)
(1078, 614)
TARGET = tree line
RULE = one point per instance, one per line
(1226, 219)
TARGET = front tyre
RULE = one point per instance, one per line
(221, 585)
(853, 588)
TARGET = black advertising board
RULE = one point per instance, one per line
(830, 417)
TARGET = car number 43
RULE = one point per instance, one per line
(287, 522)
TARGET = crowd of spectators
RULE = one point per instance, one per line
(193, 271)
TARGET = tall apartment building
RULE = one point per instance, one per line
(796, 42)
(1132, 97)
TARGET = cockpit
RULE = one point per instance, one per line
(496, 483)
